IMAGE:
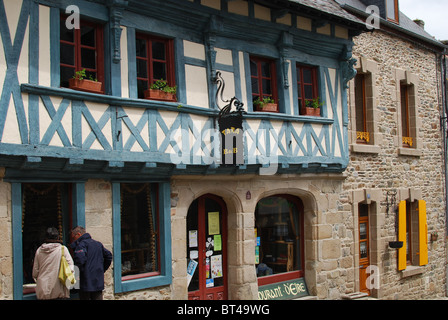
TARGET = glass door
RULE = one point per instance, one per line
(206, 249)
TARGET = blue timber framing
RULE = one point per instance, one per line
(92, 144)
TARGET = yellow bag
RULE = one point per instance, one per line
(65, 272)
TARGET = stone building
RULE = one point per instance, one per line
(201, 196)
(396, 107)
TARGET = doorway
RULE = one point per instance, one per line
(364, 247)
(207, 249)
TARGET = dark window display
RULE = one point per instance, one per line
(279, 236)
(139, 231)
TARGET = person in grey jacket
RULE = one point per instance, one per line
(46, 268)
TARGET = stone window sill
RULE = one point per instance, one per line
(412, 271)
(410, 152)
(365, 148)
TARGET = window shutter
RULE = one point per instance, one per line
(402, 235)
(422, 233)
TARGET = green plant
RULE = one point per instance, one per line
(163, 86)
(263, 102)
(81, 74)
(315, 103)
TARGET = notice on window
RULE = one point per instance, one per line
(213, 223)
(191, 269)
(218, 242)
(193, 238)
(216, 262)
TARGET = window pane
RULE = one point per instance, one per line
(88, 36)
(307, 76)
(66, 74)
(142, 68)
(159, 71)
(158, 50)
(138, 229)
(267, 86)
(142, 85)
(278, 226)
(66, 34)
(88, 58)
(360, 103)
(391, 9)
(266, 69)
(309, 92)
(140, 48)
(253, 68)
(255, 86)
(67, 54)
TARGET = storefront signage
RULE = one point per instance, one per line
(283, 290)
(230, 122)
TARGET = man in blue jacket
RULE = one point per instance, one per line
(93, 260)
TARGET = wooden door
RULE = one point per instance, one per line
(364, 247)
(207, 249)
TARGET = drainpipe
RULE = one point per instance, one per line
(445, 144)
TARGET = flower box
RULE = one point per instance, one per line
(268, 107)
(85, 85)
(156, 94)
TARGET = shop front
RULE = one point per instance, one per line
(250, 238)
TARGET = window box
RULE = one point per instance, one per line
(85, 85)
(155, 94)
(309, 111)
(267, 107)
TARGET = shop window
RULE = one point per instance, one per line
(279, 237)
(44, 205)
(264, 84)
(81, 49)
(142, 235)
(412, 231)
(139, 231)
(307, 89)
(155, 61)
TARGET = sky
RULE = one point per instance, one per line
(433, 12)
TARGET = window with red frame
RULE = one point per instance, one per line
(263, 77)
(306, 86)
(155, 61)
(280, 241)
(81, 49)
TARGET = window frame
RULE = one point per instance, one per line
(280, 277)
(273, 78)
(151, 279)
(396, 18)
(301, 85)
(99, 49)
(169, 60)
(362, 136)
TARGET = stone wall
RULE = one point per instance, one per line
(384, 167)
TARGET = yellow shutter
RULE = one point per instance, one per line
(422, 233)
(402, 235)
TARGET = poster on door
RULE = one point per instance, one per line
(216, 264)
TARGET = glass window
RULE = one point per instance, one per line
(139, 231)
(81, 49)
(279, 237)
(154, 62)
(44, 205)
(263, 80)
(306, 86)
(392, 10)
